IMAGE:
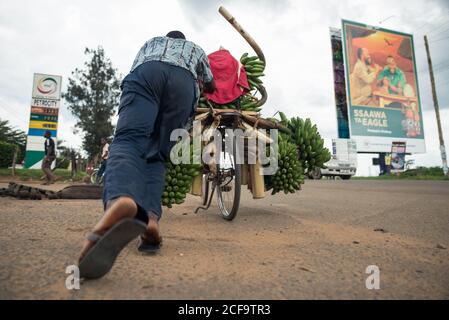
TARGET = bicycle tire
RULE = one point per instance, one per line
(93, 177)
(230, 215)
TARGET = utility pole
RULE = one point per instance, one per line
(437, 109)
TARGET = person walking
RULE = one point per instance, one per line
(104, 158)
(159, 95)
(50, 156)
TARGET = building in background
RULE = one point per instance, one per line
(339, 84)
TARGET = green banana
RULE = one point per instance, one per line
(305, 135)
(290, 175)
(178, 179)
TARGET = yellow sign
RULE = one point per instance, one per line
(43, 125)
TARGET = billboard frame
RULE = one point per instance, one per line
(422, 149)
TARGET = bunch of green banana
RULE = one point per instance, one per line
(178, 180)
(254, 68)
(290, 174)
(249, 103)
(202, 102)
(312, 152)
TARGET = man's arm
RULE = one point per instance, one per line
(397, 89)
(209, 87)
(362, 73)
(381, 75)
(106, 152)
(208, 77)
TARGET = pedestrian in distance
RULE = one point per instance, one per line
(50, 156)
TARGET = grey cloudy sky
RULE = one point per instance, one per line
(49, 36)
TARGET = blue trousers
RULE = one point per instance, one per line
(157, 98)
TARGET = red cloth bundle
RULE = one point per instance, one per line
(229, 75)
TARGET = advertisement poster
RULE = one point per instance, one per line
(45, 101)
(397, 161)
(382, 89)
(339, 83)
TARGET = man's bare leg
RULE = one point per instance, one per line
(50, 177)
(121, 208)
(152, 235)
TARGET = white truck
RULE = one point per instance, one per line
(343, 163)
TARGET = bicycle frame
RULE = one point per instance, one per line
(228, 120)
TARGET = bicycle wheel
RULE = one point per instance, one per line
(93, 176)
(101, 180)
(229, 185)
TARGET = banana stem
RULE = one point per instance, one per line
(225, 13)
(228, 16)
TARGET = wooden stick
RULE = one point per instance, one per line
(265, 124)
(14, 160)
(225, 13)
(209, 132)
(218, 111)
(197, 186)
(228, 16)
(257, 133)
(257, 180)
(201, 116)
(244, 169)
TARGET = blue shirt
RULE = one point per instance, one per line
(177, 52)
(395, 78)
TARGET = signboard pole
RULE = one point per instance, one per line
(437, 109)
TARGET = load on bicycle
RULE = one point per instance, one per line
(230, 145)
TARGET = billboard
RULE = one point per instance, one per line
(339, 84)
(397, 162)
(382, 89)
(45, 101)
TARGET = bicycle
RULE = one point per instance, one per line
(93, 177)
(224, 177)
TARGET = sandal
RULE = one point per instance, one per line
(149, 247)
(105, 249)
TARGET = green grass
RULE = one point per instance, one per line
(36, 174)
(391, 177)
(420, 173)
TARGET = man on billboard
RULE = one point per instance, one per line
(362, 78)
(392, 79)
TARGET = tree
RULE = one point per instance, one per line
(13, 136)
(65, 154)
(92, 96)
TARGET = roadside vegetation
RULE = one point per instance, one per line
(36, 174)
(420, 173)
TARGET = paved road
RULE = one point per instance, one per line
(313, 245)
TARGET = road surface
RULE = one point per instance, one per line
(313, 245)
